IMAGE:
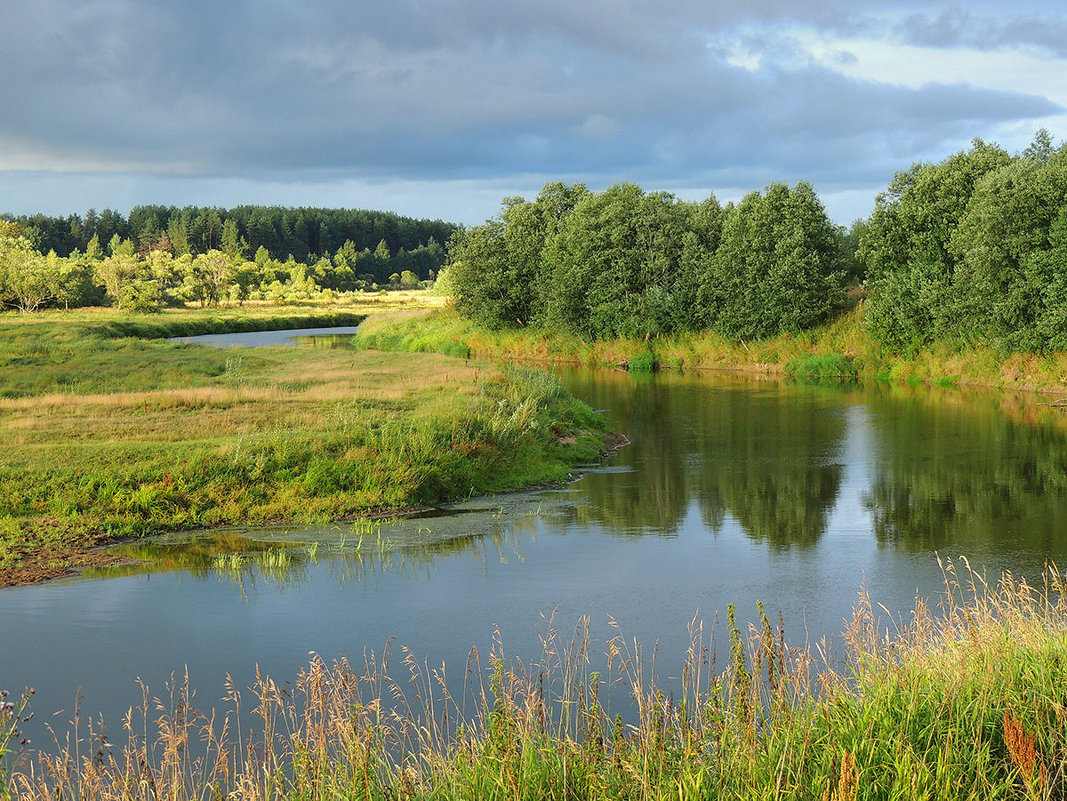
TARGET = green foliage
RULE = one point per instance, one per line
(498, 273)
(642, 362)
(141, 295)
(971, 249)
(849, 241)
(1011, 248)
(776, 269)
(819, 368)
(27, 279)
(614, 267)
(303, 232)
(208, 250)
(623, 263)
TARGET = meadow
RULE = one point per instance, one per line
(107, 431)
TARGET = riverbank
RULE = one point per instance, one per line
(107, 435)
(963, 702)
(839, 349)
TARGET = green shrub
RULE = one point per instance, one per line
(822, 367)
(644, 362)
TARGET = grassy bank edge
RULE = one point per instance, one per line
(836, 350)
(509, 431)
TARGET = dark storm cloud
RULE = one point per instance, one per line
(956, 26)
(324, 89)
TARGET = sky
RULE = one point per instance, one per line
(441, 108)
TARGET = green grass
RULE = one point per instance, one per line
(105, 437)
(965, 701)
(839, 348)
(822, 367)
(642, 363)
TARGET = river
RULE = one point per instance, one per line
(733, 490)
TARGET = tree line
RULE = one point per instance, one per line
(626, 263)
(971, 249)
(306, 234)
(121, 275)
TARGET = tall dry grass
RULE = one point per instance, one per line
(965, 700)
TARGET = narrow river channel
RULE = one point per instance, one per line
(733, 490)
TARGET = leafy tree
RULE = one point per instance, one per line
(26, 279)
(381, 253)
(117, 246)
(848, 241)
(777, 267)
(212, 272)
(93, 251)
(480, 276)
(141, 294)
(73, 277)
(301, 284)
(908, 248)
(178, 233)
(1003, 244)
(115, 272)
(245, 276)
(233, 245)
(615, 264)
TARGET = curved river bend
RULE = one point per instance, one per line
(734, 490)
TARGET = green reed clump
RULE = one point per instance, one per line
(816, 368)
(642, 363)
(967, 701)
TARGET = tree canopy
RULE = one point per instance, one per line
(624, 262)
(973, 249)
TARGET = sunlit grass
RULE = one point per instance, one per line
(147, 436)
(843, 338)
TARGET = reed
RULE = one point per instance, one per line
(966, 700)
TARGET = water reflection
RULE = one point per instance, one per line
(931, 469)
(323, 341)
(356, 552)
(765, 456)
(959, 471)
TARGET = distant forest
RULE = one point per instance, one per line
(971, 250)
(165, 256)
(305, 234)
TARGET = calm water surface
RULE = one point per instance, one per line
(333, 337)
(733, 490)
